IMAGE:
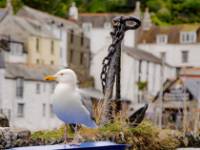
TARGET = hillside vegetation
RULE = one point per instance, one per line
(163, 11)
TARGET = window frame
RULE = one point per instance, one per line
(188, 37)
(184, 56)
(21, 114)
(38, 88)
(20, 87)
(162, 39)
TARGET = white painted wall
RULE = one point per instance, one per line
(100, 41)
(12, 58)
(173, 52)
(33, 119)
(130, 74)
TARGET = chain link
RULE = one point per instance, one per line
(120, 26)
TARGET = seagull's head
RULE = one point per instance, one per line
(66, 76)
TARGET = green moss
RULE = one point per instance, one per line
(52, 134)
(146, 136)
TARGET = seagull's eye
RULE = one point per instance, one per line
(62, 74)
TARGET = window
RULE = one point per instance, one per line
(184, 56)
(161, 39)
(37, 61)
(107, 25)
(20, 110)
(19, 87)
(82, 39)
(72, 36)
(188, 37)
(37, 88)
(52, 87)
(52, 47)
(87, 26)
(71, 55)
(37, 44)
(51, 110)
(44, 87)
(81, 58)
(163, 56)
(43, 110)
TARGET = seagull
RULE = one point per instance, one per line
(68, 103)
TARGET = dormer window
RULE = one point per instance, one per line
(87, 26)
(188, 37)
(162, 39)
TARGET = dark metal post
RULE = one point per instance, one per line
(112, 62)
(118, 73)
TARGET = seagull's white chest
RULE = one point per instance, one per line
(67, 105)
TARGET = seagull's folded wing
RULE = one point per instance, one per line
(87, 102)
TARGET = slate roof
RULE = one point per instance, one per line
(28, 72)
(173, 33)
(36, 72)
(193, 85)
(19, 28)
(43, 17)
(98, 19)
(140, 54)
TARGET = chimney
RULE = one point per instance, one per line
(9, 7)
(73, 12)
(137, 11)
(146, 22)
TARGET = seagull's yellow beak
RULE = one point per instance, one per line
(50, 78)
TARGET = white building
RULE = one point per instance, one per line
(59, 26)
(137, 65)
(178, 44)
(25, 97)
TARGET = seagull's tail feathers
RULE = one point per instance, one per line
(92, 124)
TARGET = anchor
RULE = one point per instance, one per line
(111, 70)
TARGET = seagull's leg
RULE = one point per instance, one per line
(75, 140)
(65, 134)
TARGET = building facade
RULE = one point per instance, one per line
(138, 66)
(25, 97)
(178, 44)
(40, 45)
(58, 26)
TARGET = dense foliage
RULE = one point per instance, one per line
(163, 11)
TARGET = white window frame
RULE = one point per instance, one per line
(162, 39)
(188, 37)
(51, 110)
(43, 109)
(19, 87)
(20, 113)
(182, 57)
(38, 88)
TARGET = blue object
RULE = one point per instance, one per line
(103, 145)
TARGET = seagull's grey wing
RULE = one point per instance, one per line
(86, 101)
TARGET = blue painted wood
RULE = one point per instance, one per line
(102, 145)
